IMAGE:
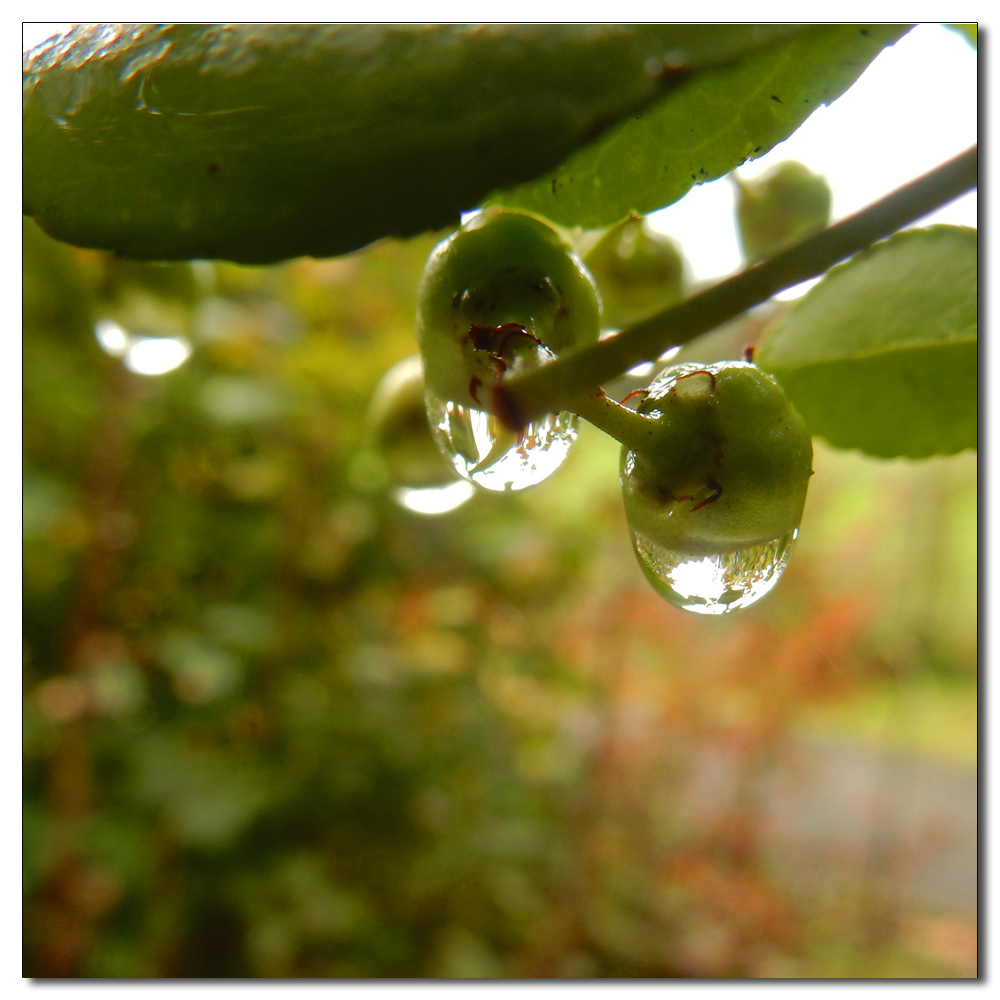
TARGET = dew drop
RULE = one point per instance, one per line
(487, 453)
(714, 584)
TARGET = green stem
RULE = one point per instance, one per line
(634, 430)
(560, 385)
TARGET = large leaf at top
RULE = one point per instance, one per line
(261, 142)
(703, 129)
(881, 355)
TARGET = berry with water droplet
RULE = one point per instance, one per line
(782, 206)
(638, 272)
(503, 294)
(715, 503)
(420, 477)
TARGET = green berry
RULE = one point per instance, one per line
(728, 466)
(638, 272)
(501, 269)
(780, 208)
(397, 418)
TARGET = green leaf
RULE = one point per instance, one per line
(881, 355)
(705, 128)
(262, 142)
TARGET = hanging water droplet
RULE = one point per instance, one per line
(501, 296)
(487, 453)
(715, 499)
(718, 583)
(406, 457)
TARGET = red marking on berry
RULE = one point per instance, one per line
(494, 338)
(700, 371)
(636, 392)
(481, 337)
(712, 485)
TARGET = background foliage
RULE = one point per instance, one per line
(278, 726)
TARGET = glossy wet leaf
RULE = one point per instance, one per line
(882, 354)
(704, 128)
(262, 142)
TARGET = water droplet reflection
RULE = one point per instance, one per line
(140, 354)
(434, 499)
(156, 355)
(714, 584)
(487, 453)
(113, 339)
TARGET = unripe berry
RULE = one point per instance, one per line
(397, 419)
(715, 502)
(780, 208)
(730, 468)
(638, 273)
(500, 270)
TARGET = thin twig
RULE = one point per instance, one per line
(553, 387)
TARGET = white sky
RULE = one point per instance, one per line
(35, 32)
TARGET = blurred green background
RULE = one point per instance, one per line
(278, 726)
